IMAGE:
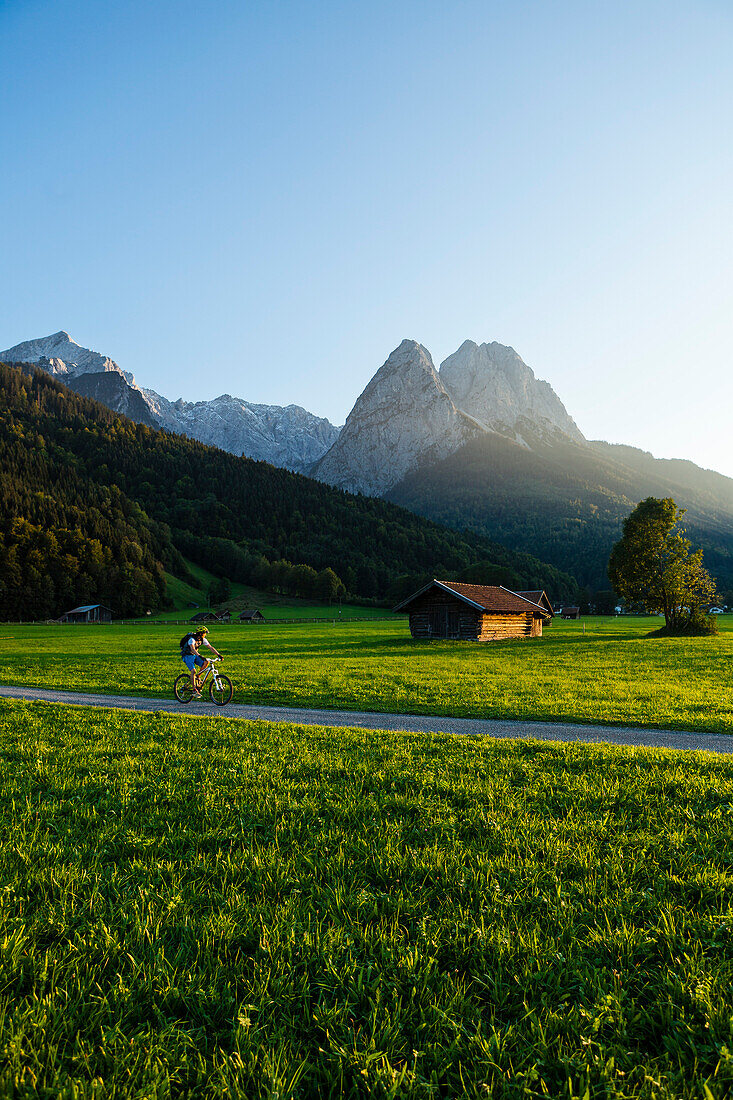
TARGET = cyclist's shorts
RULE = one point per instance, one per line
(192, 662)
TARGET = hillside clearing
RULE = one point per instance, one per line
(271, 605)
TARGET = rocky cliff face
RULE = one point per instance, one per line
(492, 384)
(410, 416)
(112, 389)
(404, 418)
(290, 437)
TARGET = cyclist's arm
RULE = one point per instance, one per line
(206, 642)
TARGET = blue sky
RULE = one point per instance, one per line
(265, 198)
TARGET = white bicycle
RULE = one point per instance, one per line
(220, 687)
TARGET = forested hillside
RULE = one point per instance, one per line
(567, 501)
(95, 507)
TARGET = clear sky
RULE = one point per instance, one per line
(264, 198)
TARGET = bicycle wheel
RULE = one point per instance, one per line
(220, 693)
(182, 689)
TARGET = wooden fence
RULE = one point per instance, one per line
(187, 622)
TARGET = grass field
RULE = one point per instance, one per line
(207, 908)
(610, 674)
(184, 594)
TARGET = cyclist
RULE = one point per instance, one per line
(190, 644)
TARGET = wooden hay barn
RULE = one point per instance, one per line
(204, 617)
(251, 615)
(570, 612)
(472, 612)
(88, 613)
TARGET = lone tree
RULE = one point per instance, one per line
(652, 564)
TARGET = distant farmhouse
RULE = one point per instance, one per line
(475, 612)
(251, 615)
(570, 613)
(87, 613)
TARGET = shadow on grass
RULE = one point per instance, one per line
(426, 647)
(458, 645)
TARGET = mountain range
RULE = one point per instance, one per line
(408, 415)
(479, 444)
(289, 437)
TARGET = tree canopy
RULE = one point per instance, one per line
(653, 563)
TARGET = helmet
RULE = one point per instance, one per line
(203, 630)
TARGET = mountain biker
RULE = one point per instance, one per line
(190, 644)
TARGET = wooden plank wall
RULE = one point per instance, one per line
(482, 628)
(505, 625)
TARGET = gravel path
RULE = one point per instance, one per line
(414, 723)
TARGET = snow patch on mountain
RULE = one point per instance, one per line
(60, 355)
(291, 437)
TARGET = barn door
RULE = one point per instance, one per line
(453, 624)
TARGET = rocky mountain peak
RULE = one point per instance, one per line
(410, 415)
(492, 383)
(403, 418)
(408, 371)
(60, 355)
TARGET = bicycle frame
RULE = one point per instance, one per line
(202, 677)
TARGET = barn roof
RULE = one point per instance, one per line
(484, 597)
(249, 612)
(86, 607)
(539, 596)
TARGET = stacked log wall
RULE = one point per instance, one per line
(468, 624)
(497, 625)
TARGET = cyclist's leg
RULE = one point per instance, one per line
(190, 662)
(198, 669)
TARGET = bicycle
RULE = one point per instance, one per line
(220, 688)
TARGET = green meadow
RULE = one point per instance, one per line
(611, 673)
(209, 908)
(272, 606)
